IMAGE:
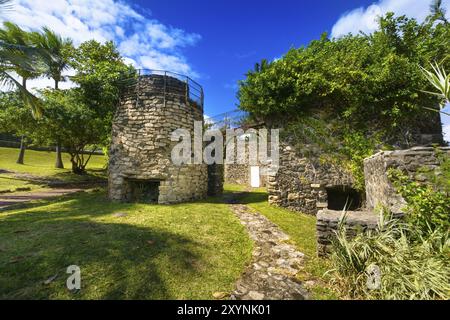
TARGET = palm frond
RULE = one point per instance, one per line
(5, 5)
(25, 58)
(54, 45)
(8, 82)
(440, 80)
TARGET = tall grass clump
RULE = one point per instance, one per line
(416, 269)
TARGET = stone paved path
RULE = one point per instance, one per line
(271, 274)
(13, 199)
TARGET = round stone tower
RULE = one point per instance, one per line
(140, 166)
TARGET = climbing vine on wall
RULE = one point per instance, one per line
(346, 98)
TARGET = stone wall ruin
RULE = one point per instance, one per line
(380, 192)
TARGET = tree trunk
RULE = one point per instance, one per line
(23, 146)
(56, 84)
(77, 165)
(22, 150)
(76, 169)
(59, 163)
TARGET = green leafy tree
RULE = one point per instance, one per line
(353, 89)
(101, 75)
(13, 56)
(14, 35)
(16, 118)
(437, 11)
(80, 118)
(24, 56)
(79, 128)
(58, 49)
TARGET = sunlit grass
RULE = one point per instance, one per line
(9, 184)
(186, 251)
(301, 228)
(42, 163)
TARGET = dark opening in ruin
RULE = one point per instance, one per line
(342, 197)
(144, 191)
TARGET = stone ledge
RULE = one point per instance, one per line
(409, 152)
(328, 224)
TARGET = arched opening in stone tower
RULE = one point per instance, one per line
(343, 198)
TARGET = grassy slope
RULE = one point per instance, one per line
(302, 230)
(185, 251)
(41, 163)
(9, 184)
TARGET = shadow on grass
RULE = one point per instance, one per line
(117, 260)
(244, 197)
(92, 176)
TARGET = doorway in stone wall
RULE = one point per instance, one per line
(144, 191)
(343, 198)
(255, 178)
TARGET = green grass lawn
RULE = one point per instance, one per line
(301, 228)
(42, 163)
(187, 251)
(9, 184)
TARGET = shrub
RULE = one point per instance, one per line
(409, 269)
(428, 205)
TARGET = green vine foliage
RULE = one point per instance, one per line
(428, 204)
(347, 98)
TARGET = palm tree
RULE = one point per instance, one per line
(26, 57)
(5, 5)
(437, 11)
(441, 82)
(13, 35)
(57, 48)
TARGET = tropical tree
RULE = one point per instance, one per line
(81, 117)
(13, 35)
(351, 96)
(58, 48)
(5, 5)
(15, 117)
(68, 118)
(101, 76)
(441, 82)
(14, 55)
(437, 11)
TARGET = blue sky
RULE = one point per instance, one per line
(237, 34)
(215, 42)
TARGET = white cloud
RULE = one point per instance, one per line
(446, 130)
(365, 19)
(145, 42)
(231, 86)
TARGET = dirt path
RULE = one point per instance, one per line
(275, 263)
(7, 200)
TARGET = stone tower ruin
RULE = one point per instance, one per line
(140, 167)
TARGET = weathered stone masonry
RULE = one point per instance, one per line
(379, 190)
(381, 193)
(140, 167)
(303, 184)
